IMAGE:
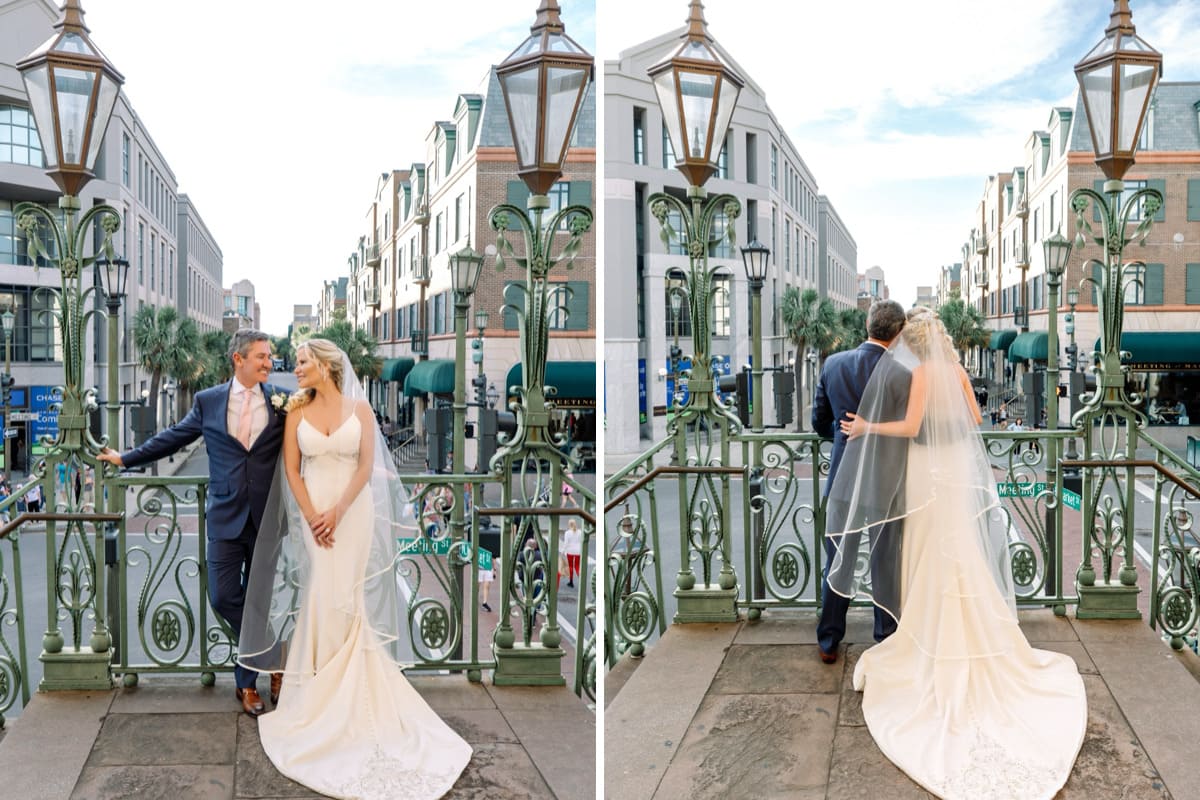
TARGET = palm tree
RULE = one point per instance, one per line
(214, 364)
(283, 348)
(852, 323)
(810, 321)
(359, 345)
(964, 323)
(166, 345)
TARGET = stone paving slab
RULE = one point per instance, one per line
(194, 782)
(858, 770)
(165, 739)
(500, 771)
(760, 746)
(50, 744)
(775, 669)
(173, 695)
(256, 775)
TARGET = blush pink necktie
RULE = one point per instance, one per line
(244, 421)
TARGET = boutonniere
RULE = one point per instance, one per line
(279, 401)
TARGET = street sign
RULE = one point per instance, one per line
(1071, 500)
(1019, 489)
(440, 547)
(10, 433)
(25, 416)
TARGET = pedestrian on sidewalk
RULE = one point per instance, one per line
(573, 548)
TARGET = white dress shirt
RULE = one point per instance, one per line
(258, 410)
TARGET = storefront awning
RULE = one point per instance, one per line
(1002, 339)
(435, 376)
(1160, 351)
(1030, 345)
(574, 380)
(395, 370)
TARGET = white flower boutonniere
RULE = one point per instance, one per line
(279, 401)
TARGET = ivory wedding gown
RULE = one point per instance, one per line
(348, 724)
(956, 697)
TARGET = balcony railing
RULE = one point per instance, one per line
(139, 571)
(371, 296)
(771, 530)
(421, 270)
(419, 342)
(981, 243)
(373, 254)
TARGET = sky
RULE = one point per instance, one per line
(278, 123)
(902, 110)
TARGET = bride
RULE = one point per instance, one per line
(347, 724)
(957, 698)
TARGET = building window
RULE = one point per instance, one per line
(751, 158)
(458, 216)
(639, 135)
(1192, 287)
(721, 303)
(35, 331)
(125, 159)
(668, 152)
(141, 253)
(19, 142)
(437, 234)
(680, 326)
(723, 159)
(720, 248)
(774, 167)
(787, 244)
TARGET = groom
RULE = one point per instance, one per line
(840, 389)
(243, 433)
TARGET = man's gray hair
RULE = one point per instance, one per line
(885, 319)
(243, 339)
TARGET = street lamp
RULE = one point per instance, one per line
(72, 89)
(1072, 349)
(8, 319)
(675, 353)
(697, 92)
(113, 275)
(1117, 79)
(465, 266)
(1056, 251)
(544, 83)
(754, 258)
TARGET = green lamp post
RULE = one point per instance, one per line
(1117, 79)
(72, 89)
(755, 257)
(697, 92)
(544, 83)
(9, 319)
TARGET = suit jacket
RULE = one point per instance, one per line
(839, 390)
(239, 479)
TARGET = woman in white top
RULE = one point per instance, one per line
(573, 548)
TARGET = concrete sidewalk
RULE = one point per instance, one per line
(747, 710)
(173, 739)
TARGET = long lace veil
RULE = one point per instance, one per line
(931, 473)
(280, 572)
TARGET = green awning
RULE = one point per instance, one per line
(435, 376)
(1030, 345)
(1160, 351)
(575, 380)
(1002, 339)
(396, 370)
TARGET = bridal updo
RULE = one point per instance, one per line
(329, 361)
(926, 336)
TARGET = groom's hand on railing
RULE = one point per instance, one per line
(110, 456)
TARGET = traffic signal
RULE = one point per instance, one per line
(6, 384)
(739, 383)
(784, 385)
(437, 445)
(480, 384)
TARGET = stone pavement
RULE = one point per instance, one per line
(172, 738)
(747, 710)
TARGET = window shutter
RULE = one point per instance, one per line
(518, 195)
(1161, 185)
(1154, 285)
(1099, 187)
(513, 297)
(1096, 270)
(577, 306)
(1193, 200)
(1192, 292)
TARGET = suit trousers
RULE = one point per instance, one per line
(831, 626)
(228, 569)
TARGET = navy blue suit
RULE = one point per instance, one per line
(843, 380)
(239, 481)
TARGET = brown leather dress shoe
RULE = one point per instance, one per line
(252, 704)
(276, 685)
(828, 658)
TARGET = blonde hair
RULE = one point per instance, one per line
(329, 360)
(925, 334)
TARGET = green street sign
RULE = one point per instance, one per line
(1019, 489)
(424, 546)
(1071, 500)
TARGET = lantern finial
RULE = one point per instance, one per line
(548, 18)
(697, 25)
(1121, 19)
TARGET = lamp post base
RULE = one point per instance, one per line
(75, 670)
(1111, 600)
(708, 603)
(528, 665)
